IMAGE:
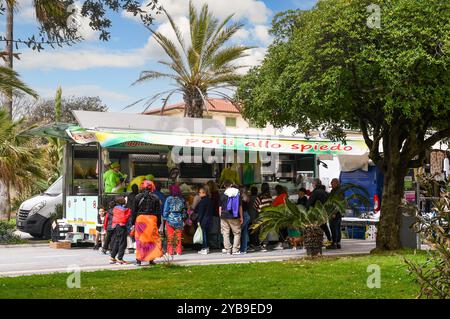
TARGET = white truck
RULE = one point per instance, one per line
(34, 214)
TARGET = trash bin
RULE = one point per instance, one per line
(408, 237)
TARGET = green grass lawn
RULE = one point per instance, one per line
(343, 277)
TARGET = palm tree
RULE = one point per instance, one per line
(201, 66)
(20, 160)
(45, 10)
(289, 215)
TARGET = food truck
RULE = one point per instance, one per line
(173, 149)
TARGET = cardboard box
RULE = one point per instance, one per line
(61, 245)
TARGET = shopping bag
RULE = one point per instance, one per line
(198, 236)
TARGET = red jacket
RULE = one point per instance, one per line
(279, 200)
(120, 216)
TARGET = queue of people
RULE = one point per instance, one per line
(146, 213)
(136, 216)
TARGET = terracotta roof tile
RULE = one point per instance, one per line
(213, 105)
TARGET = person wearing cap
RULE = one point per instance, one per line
(147, 208)
(112, 178)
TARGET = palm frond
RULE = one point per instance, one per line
(135, 103)
(193, 61)
(199, 26)
(151, 75)
(218, 42)
(167, 100)
(223, 57)
(294, 216)
(9, 79)
(171, 51)
(222, 25)
(20, 161)
(150, 102)
(46, 10)
(176, 29)
(231, 79)
(147, 99)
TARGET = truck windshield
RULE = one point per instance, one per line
(55, 188)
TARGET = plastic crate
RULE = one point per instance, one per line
(59, 231)
(356, 232)
(371, 232)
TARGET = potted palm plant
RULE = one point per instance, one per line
(297, 217)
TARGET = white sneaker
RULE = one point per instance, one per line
(224, 251)
(203, 252)
(279, 246)
(237, 253)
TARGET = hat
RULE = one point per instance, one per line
(175, 190)
(148, 185)
(114, 165)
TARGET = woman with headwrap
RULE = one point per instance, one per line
(146, 209)
(174, 213)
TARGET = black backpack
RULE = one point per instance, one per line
(148, 203)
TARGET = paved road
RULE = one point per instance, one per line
(40, 260)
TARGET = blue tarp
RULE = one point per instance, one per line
(371, 181)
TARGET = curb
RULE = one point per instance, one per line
(24, 245)
(184, 263)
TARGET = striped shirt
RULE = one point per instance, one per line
(263, 200)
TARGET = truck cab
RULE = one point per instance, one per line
(34, 214)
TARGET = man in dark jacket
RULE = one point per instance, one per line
(336, 218)
(319, 194)
(131, 196)
(302, 199)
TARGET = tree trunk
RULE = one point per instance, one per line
(194, 104)
(4, 205)
(388, 234)
(8, 201)
(10, 50)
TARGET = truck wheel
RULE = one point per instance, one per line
(47, 230)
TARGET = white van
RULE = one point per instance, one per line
(33, 216)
